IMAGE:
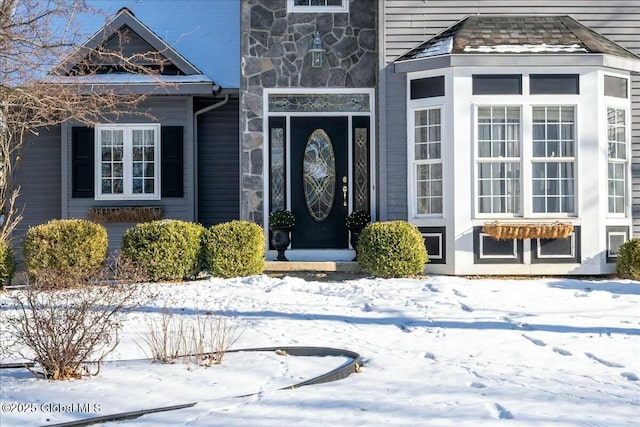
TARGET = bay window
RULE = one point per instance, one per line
(127, 161)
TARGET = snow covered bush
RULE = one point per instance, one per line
(7, 266)
(628, 263)
(164, 250)
(392, 249)
(74, 248)
(234, 249)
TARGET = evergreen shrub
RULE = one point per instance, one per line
(628, 262)
(71, 248)
(164, 250)
(282, 218)
(234, 249)
(392, 249)
(7, 265)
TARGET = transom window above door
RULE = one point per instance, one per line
(319, 6)
(127, 161)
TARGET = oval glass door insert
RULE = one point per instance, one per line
(319, 175)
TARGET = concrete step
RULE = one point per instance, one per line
(323, 271)
(311, 266)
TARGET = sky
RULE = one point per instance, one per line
(435, 351)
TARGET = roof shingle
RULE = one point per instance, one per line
(517, 34)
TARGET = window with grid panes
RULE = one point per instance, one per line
(499, 160)
(127, 161)
(553, 159)
(617, 159)
(428, 161)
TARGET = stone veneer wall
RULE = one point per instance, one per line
(274, 48)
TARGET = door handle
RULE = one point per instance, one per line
(344, 191)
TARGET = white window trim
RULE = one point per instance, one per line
(477, 161)
(572, 255)
(440, 238)
(626, 161)
(614, 233)
(127, 162)
(526, 157)
(292, 8)
(483, 256)
(625, 195)
(413, 180)
(559, 159)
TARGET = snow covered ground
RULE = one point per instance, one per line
(437, 351)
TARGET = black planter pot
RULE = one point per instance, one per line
(355, 237)
(280, 240)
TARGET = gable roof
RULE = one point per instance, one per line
(125, 23)
(516, 34)
(205, 32)
(127, 34)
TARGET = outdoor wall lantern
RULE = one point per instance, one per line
(317, 51)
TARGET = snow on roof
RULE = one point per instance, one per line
(124, 78)
(526, 48)
(516, 34)
(440, 47)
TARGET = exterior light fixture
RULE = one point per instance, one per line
(317, 51)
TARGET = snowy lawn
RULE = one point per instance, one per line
(437, 351)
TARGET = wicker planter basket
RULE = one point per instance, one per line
(557, 230)
(125, 214)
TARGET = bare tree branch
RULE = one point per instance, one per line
(34, 36)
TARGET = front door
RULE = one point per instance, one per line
(319, 182)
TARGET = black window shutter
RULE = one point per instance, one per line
(82, 162)
(171, 153)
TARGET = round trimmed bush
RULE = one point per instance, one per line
(392, 249)
(164, 250)
(7, 265)
(234, 249)
(628, 263)
(72, 248)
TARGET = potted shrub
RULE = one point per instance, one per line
(281, 222)
(356, 222)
